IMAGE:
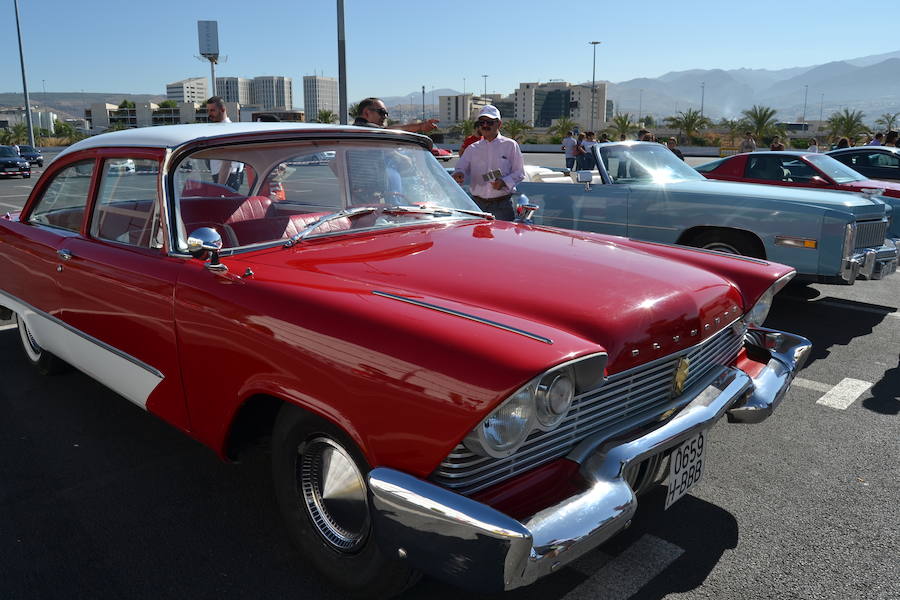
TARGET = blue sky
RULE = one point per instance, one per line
(396, 46)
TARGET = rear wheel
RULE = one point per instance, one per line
(729, 242)
(320, 484)
(43, 361)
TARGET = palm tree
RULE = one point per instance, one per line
(691, 122)
(563, 126)
(514, 128)
(464, 128)
(761, 121)
(734, 128)
(18, 134)
(326, 116)
(353, 110)
(847, 123)
(622, 125)
(888, 121)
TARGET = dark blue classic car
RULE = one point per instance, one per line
(32, 155)
(11, 164)
(643, 191)
(875, 162)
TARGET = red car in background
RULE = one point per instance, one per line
(803, 170)
(442, 154)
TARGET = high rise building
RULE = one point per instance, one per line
(233, 89)
(195, 89)
(453, 109)
(272, 92)
(319, 93)
(541, 103)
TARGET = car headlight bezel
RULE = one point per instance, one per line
(541, 404)
(757, 315)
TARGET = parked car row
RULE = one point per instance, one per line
(443, 392)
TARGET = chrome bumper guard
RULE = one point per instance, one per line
(872, 263)
(471, 545)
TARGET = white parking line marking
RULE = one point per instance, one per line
(623, 576)
(845, 393)
(812, 385)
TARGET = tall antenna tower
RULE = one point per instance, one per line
(208, 33)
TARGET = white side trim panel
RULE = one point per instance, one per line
(118, 371)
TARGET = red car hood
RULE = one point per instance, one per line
(552, 283)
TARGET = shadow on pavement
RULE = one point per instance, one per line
(885, 397)
(826, 322)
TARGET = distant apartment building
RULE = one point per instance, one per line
(541, 103)
(319, 93)
(233, 89)
(272, 92)
(40, 119)
(195, 89)
(453, 109)
(102, 116)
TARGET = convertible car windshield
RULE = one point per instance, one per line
(654, 163)
(838, 171)
(255, 194)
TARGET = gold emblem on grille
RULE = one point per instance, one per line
(681, 374)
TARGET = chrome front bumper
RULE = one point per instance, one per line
(872, 263)
(474, 546)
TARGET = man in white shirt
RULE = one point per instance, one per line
(492, 166)
(224, 172)
(568, 146)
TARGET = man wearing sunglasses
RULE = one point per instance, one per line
(492, 166)
(373, 113)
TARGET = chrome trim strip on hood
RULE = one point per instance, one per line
(457, 313)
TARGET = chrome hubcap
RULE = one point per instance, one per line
(334, 493)
(721, 247)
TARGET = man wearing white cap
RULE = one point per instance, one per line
(493, 166)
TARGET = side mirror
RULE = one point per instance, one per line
(205, 243)
(585, 177)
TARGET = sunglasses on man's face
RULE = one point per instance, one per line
(380, 111)
(486, 123)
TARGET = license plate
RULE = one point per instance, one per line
(685, 467)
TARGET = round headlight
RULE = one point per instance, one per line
(757, 315)
(506, 428)
(554, 397)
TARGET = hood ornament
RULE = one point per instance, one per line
(682, 370)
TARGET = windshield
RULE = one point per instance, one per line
(262, 193)
(838, 171)
(644, 163)
(7, 151)
(26, 149)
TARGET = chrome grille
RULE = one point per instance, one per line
(870, 233)
(627, 400)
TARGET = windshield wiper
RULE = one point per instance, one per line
(433, 210)
(347, 212)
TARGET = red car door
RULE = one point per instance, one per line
(118, 287)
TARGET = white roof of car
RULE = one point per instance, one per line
(171, 136)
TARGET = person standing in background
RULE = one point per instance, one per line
(813, 146)
(672, 144)
(748, 144)
(568, 146)
(492, 166)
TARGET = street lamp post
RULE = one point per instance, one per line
(342, 64)
(640, 104)
(805, 94)
(485, 85)
(821, 103)
(702, 96)
(24, 80)
(593, 82)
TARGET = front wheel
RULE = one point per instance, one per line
(320, 485)
(40, 359)
(729, 242)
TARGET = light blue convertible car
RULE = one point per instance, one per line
(643, 191)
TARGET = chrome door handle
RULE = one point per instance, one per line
(64, 254)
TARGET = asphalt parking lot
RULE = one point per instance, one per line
(98, 499)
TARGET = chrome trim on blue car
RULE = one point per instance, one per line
(457, 539)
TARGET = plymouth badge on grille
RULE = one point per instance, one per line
(681, 374)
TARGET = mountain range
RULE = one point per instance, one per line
(868, 83)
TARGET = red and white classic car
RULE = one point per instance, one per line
(483, 401)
